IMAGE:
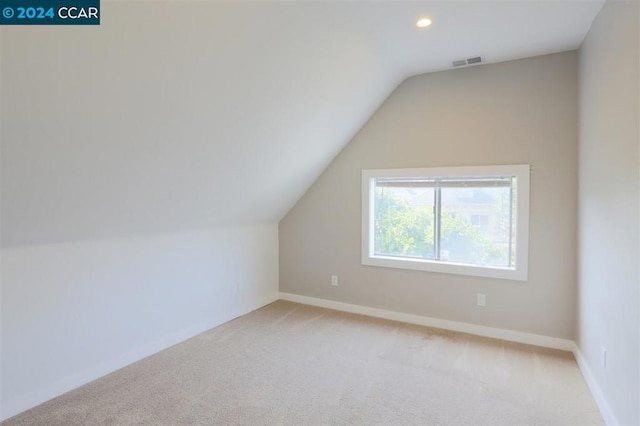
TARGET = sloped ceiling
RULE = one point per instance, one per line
(173, 116)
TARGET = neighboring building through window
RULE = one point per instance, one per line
(462, 220)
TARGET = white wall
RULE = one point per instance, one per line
(609, 255)
(519, 112)
(126, 225)
(72, 312)
(1, 351)
(168, 110)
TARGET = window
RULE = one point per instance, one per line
(460, 220)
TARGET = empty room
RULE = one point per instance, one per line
(320, 212)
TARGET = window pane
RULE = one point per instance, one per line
(476, 226)
(404, 221)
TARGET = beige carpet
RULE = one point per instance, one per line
(298, 365)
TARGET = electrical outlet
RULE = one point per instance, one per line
(334, 280)
(603, 356)
(481, 299)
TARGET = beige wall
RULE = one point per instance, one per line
(609, 278)
(519, 112)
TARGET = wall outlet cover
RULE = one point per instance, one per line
(481, 300)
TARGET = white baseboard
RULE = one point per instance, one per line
(596, 391)
(479, 330)
(23, 402)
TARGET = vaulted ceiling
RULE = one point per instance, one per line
(174, 116)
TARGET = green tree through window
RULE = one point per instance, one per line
(402, 229)
(406, 228)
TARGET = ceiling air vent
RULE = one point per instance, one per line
(468, 61)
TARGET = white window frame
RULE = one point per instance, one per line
(519, 272)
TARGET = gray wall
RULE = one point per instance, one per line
(519, 112)
(609, 278)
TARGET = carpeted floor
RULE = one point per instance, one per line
(298, 365)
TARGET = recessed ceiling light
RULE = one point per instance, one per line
(423, 22)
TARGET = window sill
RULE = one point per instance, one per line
(445, 267)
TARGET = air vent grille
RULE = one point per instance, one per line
(468, 61)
